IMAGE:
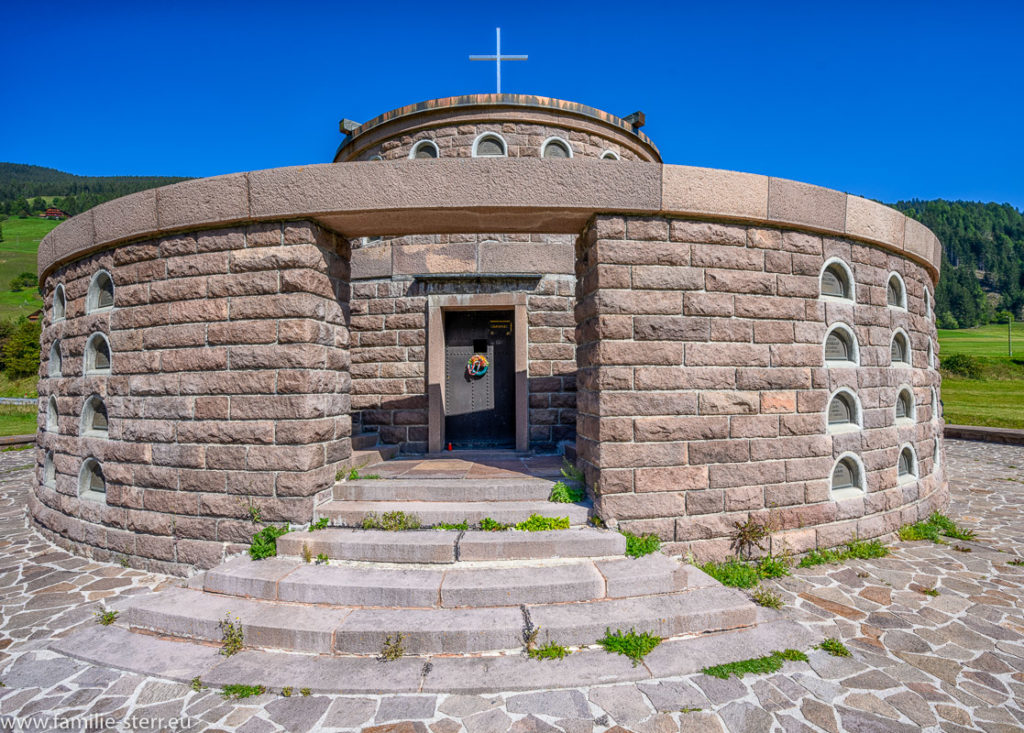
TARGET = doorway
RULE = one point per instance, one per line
(479, 403)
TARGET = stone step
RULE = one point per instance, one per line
(371, 457)
(431, 546)
(364, 441)
(351, 513)
(459, 490)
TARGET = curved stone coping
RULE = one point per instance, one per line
(479, 195)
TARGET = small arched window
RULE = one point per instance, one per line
(49, 470)
(843, 411)
(847, 476)
(899, 349)
(936, 454)
(424, 149)
(896, 292)
(94, 417)
(97, 355)
(489, 145)
(935, 404)
(101, 292)
(907, 466)
(60, 304)
(555, 147)
(376, 157)
(931, 355)
(927, 303)
(836, 281)
(52, 415)
(91, 483)
(609, 155)
(55, 364)
(904, 405)
(840, 346)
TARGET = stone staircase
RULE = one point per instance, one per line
(452, 595)
(367, 450)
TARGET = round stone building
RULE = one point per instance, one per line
(706, 345)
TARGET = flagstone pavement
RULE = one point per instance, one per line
(950, 662)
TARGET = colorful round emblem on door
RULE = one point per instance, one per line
(477, 365)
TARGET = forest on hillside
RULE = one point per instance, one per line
(23, 186)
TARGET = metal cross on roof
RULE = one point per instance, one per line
(497, 58)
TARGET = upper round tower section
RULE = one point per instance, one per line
(496, 125)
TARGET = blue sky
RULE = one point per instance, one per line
(890, 100)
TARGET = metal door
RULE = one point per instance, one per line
(479, 410)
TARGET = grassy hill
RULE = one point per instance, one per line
(993, 394)
(17, 255)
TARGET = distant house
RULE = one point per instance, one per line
(54, 213)
(35, 315)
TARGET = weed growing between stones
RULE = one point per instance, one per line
(105, 617)
(123, 561)
(750, 535)
(759, 665)
(319, 524)
(392, 648)
(238, 692)
(463, 525)
(231, 634)
(396, 521)
(322, 559)
(305, 692)
(573, 474)
(739, 574)
(490, 525)
(771, 566)
(767, 597)
(307, 554)
(690, 710)
(633, 645)
(640, 545)
(562, 493)
(930, 591)
(537, 523)
(264, 542)
(596, 521)
(286, 692)
(353, 475)
(931, 529)
(197, 685)
(551, 650)
(1016, 563)
(961, 548)
(834, 647)
(254, 512)
(858, 549)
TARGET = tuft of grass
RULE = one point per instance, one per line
(759, 665)
(307, 554)
(690, 710)
(490, 525)
(1016, 563)
(771, 566)
(571, 473)
(353, 475)
(596, 521)
(264, 542)
(197, 685)
(930, 591)
(463, 525)
(633, 645)
(16, 448)
(106, 617)
(396, 521)
(961, 548)
(305, 692)
(834, 647)
(321, 523)
(934, 529)
(751, 534)
(537, 523)
(550, 650)
(322, 559)
(857, 549)
(392, 648)
(640, 545)
(767, 597)
(562, 493)
(254, 512)
(238, 692)
(231, 634)
(733, 572)
(286, 692)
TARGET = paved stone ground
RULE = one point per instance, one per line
(952, 662)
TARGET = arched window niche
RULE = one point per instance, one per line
(847, 477)
(609, 155)
(97, 355)
(841, 346)
(55, 364)
(424, 150)
(905, 407)
(927, 303)
(91, 482)
(52, 415)
(896, 291)
(101, 293)
(490, 145)
(49, 470)
(837, 280)
(899, 349)
(906, 467)
(844, 412)
(94, 417)
(555, 147)
(60, 303)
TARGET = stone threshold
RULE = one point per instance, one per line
(1006, 436)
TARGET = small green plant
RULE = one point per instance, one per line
(392, 648)
(197, 685)
(286, 692)
(231, 635)
(322, 559)
(834, 647)
(733, 572)
(106, 617)
(490, 525)
(857, 549)
(255, 513)
(123, 561)
(640, 545)
(264, 542)
(596, 521)
(307, 554)
(933, 529)
(396, 521)
(1018, 562)
(767, 597)
(18, 448)
(238, 692)
(339, 475)
(961, 548)
(750, 535)
(573, 474)
(537, 523)
(321, 523)
(353, 475)
(930, 591)
(463, 525)
(633, 645)
(562, 493)
(690, 710)
(771, 566)
(551, 650)
(305, 692)
(759, 665)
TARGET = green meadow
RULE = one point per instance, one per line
(995, 397)
(17, 255)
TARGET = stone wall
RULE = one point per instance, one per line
(702, 390)
(228, 389)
